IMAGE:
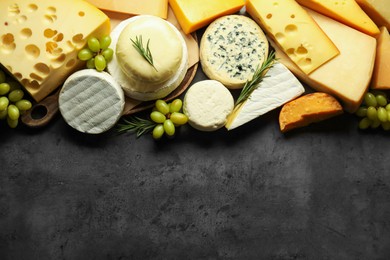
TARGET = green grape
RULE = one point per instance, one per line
(12, 123)
(14, 85)
(361, 112)
(108, 54)
(13, 112)
(386, 125)
(2, 76)
(169, 127)
(15, 95)
(3, 114)
(178, 118)
(162, 106)
(158, 131)
(4, 88)
(4, 102)
(372, 114)
(382, 114)
(85, 54)
(94, 44)
(175, 105)
(91, 63)
(365, 123)
(378, 92)
(370, 99)
(100, 62)
(388, 107)
(105, 42)
(23, 104)
(381, 100)
(375, 124)
(157, 117)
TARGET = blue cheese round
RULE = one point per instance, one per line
(91, 101)
(231, 49)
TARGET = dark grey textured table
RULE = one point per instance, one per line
(321, 192)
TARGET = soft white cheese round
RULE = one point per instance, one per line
(91, 101)
(136, 76)
(207, 105)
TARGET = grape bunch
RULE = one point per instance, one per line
(375, 111)
(167, 117)
(12, 103)
(97, 53)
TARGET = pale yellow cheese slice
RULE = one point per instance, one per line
(378, 10)
(381, 75)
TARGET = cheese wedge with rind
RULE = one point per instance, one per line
(278, 86)
(381, 74)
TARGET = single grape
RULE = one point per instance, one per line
(386, 126)
(23, 104)
(12, 123)
(100, 62)
(370, 99)
(3, 114)
(4, 102)
(2, 76)
(372, 114)
(365, 123)
(105, 42)
(175, 105)
(91, 63)
(179, 118)
(375, 124)
(169, 127)
(13, 112)
(85, 54)
(388, 107)
(94, 44)
(108, 54)
(158, 131)
(381, 100)
(15, 95)
(162, 106)
(4, 88)
(157, 117)
(361, 112)
(382, 114)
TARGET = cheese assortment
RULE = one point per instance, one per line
(40, 40)
(378, 10)
(381, 76)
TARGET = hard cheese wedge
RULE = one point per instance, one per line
(348, 75)
(278, 87)
(295, 32)
(193, 15)
(40, 40)
(308, 109)
(381, 75)
(378, 10)
(152, 7)
(346, 11)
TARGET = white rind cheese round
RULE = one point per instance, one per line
(207, 105)
(91, 101)
(231, 49)
(134, 74)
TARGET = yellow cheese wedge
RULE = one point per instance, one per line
(348, 75)
(193, 15)
(346, 11)
(39, 40)
(295, 32)
(134, 7)
(378, 10)
(381, 75)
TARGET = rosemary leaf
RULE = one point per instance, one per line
(136, 125)
(145, 53)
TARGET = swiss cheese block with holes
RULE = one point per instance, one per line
(91, 101)
(40, 39)
(207, 105)
(231, 50)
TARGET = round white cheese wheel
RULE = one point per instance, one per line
(91, 101)
(137, 77)
(231, 49)
(207, 105)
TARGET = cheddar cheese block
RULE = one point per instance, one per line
(381, 75)
(294, 31)
(378, 10)
(307, 109)
(40, 40)
(193, 15)
(345, 11)
(346, 76)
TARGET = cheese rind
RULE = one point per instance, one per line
(231, 49)
(278, 87)
(193, 15)
(295, 32)
(378, 10)
(46, 35)
(381, 74)
(91, 102)
(345, 11)
(346, 76)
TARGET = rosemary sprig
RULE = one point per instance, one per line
(136, 125)
(258, 76)
(146, 53)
